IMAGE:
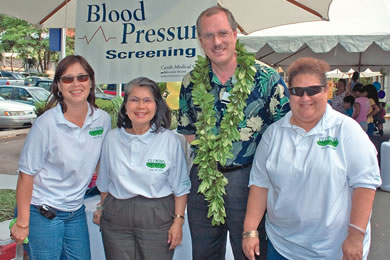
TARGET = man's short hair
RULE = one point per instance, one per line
(214, 10)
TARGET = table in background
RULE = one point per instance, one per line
(184, 251)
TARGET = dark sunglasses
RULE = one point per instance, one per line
(70, 79)
(310, 90)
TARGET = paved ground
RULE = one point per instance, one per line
(11, 143)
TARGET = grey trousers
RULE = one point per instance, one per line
(137, 228)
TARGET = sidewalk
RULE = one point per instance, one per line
(12, 133)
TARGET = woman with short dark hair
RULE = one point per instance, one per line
(143, 179)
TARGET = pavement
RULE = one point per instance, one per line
(380, 221)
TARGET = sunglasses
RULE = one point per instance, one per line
(310, 90)
(70, 79)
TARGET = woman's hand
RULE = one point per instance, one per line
(19, 233)
(250, 247)
(97, 214)
(175, 233)
(353, 246)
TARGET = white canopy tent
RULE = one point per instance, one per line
(357, 36)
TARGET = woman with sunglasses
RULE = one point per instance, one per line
(309, 174)
(60, 154)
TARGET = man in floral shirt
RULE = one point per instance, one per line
(266, 103)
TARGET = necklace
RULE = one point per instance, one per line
(215, 147)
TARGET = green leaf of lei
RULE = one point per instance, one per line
(214, 148)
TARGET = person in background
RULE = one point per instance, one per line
(361, 105)
(380, 117)
(354, 79)
(143, 179)
(266, 102)
(348, 105)
(372, 96)
(316, 208)
(59, 156)
(338, 96)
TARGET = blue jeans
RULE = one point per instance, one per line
(370, 129)
(272, 254)
(209, 242)
(63, 237)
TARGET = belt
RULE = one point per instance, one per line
(231, 168)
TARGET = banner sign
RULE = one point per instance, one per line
(125, 39)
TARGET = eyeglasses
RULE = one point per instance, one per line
(223, 35)
(310, 90)
(70, 79)
(137, 100)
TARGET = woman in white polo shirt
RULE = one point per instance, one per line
(310, 175)
(60, 154)
(143, 179)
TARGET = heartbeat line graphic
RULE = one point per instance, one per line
(104, 36)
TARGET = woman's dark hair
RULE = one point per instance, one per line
(56, 96)
(355, 76)
(162, 118)
(343, 81)
(308, 65)
(372, 92)
(349, 99)
(358, 87)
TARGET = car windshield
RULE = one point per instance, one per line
(40, 94)
(98, 90)
(19, 76)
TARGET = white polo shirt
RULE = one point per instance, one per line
(152, 165)
(310, 178)
(62, 157)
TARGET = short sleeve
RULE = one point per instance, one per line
(178, 174)
(34, 151)
(187, 115)
(259, 174)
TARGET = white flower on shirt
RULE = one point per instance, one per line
(273, 103)
(186, 80)
(245, 134)
(255, 123)
(184, 120)
(279, 91)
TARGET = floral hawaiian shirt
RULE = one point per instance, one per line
(267, 103)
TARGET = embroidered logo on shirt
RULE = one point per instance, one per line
(96, 131)
(329, 141)
(156, 164)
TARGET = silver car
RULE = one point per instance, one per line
(24, 94)
(15, 115)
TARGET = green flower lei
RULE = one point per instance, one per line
(213, 148)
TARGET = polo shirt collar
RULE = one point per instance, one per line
(60, 119)
(144, 138)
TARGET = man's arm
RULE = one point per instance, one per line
(189, 138)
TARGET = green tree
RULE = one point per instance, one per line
(29, 42)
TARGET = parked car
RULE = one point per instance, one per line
(23, 94)
(15, 115)
(32, 80)
(99, 93)
(44, 83)
(11, 75)
(111, 89)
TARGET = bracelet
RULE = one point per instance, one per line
(99, 206)
(247, 234)
(357, 228)
(178, 216)
(19, 226)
